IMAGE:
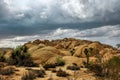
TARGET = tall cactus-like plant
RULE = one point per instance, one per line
(87, 53)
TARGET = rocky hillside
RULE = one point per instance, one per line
(67, 43)
(67, 47)
(56, 59)
(45, 51)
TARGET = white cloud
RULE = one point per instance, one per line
(18, 40)
(106, 34)
(19, 16)
(104, 31)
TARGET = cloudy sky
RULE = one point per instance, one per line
(26, 20)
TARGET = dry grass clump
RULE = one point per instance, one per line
(2, 64)
(28, 76)
(58, 62)
(73, 67)
(39, 73)
(31, 74)
(1, 78)
(2, 57)
(47, 66)
(54, 70)
(61, 73)
(7, 71)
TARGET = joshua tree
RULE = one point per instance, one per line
(86, 51)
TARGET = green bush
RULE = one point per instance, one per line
(60, 61)
(20, 57)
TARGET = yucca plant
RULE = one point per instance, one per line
(87, 53)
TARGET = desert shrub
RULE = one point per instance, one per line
(113, 68)
(20, 57)
(109, 70)
(7, 71)
(28, 76)
(73, 67)
(46, 66)
(60, 61)
(39, 73)
(2, 64)
(61, 73)
(37, 41)
(54, 70)
(2, 58)
(97, 69)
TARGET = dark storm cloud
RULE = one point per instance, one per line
(28, 17)
(60, 11)
(3, 12)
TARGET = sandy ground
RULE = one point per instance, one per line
(74, 75)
